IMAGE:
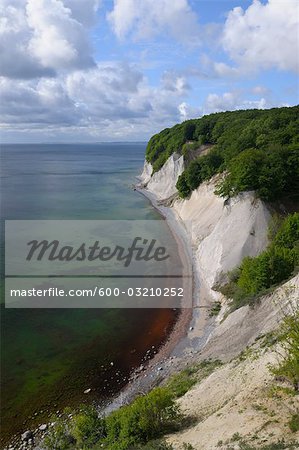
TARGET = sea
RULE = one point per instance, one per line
(49, 357)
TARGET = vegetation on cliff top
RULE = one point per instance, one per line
(259, 150)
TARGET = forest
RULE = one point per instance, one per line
(255, 149)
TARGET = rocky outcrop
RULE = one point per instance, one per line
(162, 183)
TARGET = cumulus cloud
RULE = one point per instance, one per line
(175, 83)
(108, 91)
(188, 112)
(42, 37)
(110, 98)
(230, 101)
(264, 35)
(146, 19)
(43, 103)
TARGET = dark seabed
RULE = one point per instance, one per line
(49, 357)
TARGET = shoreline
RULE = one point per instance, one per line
(191, 331)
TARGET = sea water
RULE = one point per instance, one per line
(49, 357)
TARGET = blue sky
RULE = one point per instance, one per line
(91, 70)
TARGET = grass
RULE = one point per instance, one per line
(182, 382)
(294, 422)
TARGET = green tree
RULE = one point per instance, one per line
(183, 186)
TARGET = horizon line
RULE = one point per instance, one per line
(74, 143)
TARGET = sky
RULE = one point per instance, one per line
(122, 70)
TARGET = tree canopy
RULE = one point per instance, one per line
(259, 150)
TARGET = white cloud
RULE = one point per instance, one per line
(175, 83)
(36, 104)
(230, 101)
(188, 112)
(84, 11)
(108, 91)
(264, 35)
(146, 19)
(111, 98)
(43, 37)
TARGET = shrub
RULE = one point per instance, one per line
(294, 423)
(288, 234)
(271, 267)
(274, 265)
(145, 419)
(198, 170)
(88, 427)
(182, 186)
(289, 366)
(59, 438)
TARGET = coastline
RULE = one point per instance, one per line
(191, 330)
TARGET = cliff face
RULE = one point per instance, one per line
(222, 232)
(163, 182)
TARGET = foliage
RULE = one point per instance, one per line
(156, 445)
(145, 419)
(199, 170)
(272, 266)
(288, 234)
(59, 438)
(181, 382)
(289, 365)
(88, 427)
(268, 172)
(134, 426)
(294, 423)
(215, 309)
(258, 148)
(269, 268)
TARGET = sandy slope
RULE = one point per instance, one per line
(239, 397)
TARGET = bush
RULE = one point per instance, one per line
(59, 438)
(181, 382)
(289, 366)
(288, 234)
(269, 268)
(198, 170)
(294, 423)
(274, 265)
(145, 419)
(182, 186)
(88, 428)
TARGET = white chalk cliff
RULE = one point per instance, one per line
(222, 232)
(162, 183)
